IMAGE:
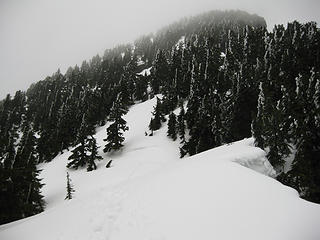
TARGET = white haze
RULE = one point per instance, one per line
(39, 36)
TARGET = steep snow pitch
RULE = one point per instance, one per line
(150, 193)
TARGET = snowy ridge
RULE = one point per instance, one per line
(244, 153)
(149, 193)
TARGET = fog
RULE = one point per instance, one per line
(39, 36)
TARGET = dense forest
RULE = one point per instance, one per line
(230, 77)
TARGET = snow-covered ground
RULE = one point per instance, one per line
(149, 193)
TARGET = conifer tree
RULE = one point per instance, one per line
(115, 130)
(25, 176)
(257, 123)
(79, 156)
(130, 77)
(305, 171)
(86, 151)
(192, 114)
(194, 100)
(152, 126)
(202, 130)
(4, 123)
(93, 149)
(244, 107)
(8, 209)
(181, 124)
(141, 92)
(70, 189)
(273, 119)
(65, 133)
(172, 123)
(217, 127)
(160, 73)
(124, 89)
(158, 116)
(186, 67)
(9, 156)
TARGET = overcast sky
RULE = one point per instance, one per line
(39, 36)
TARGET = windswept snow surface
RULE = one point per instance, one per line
(149, 193)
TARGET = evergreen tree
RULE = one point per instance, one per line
(305, 171)
(160, 73)
(4, 123)
(93, 149)
(158, 116)
(244, 107)
(204, 137)
(8, 209)
(86, 151)
(217, 127)
(172, 126)
(192, 114)
(66, 128)
(70, 189)
(130, 76)
(181, 124)
(141, 92)
(9, 156)
(152, 126)
(257, 124)
(194, 100)
(273, 119)
(25, 177)
(124, 89)
(78, 157)
(115, 130)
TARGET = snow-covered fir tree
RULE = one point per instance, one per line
(116, 129)
(70, 189)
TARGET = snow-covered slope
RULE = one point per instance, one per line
(149, 193)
